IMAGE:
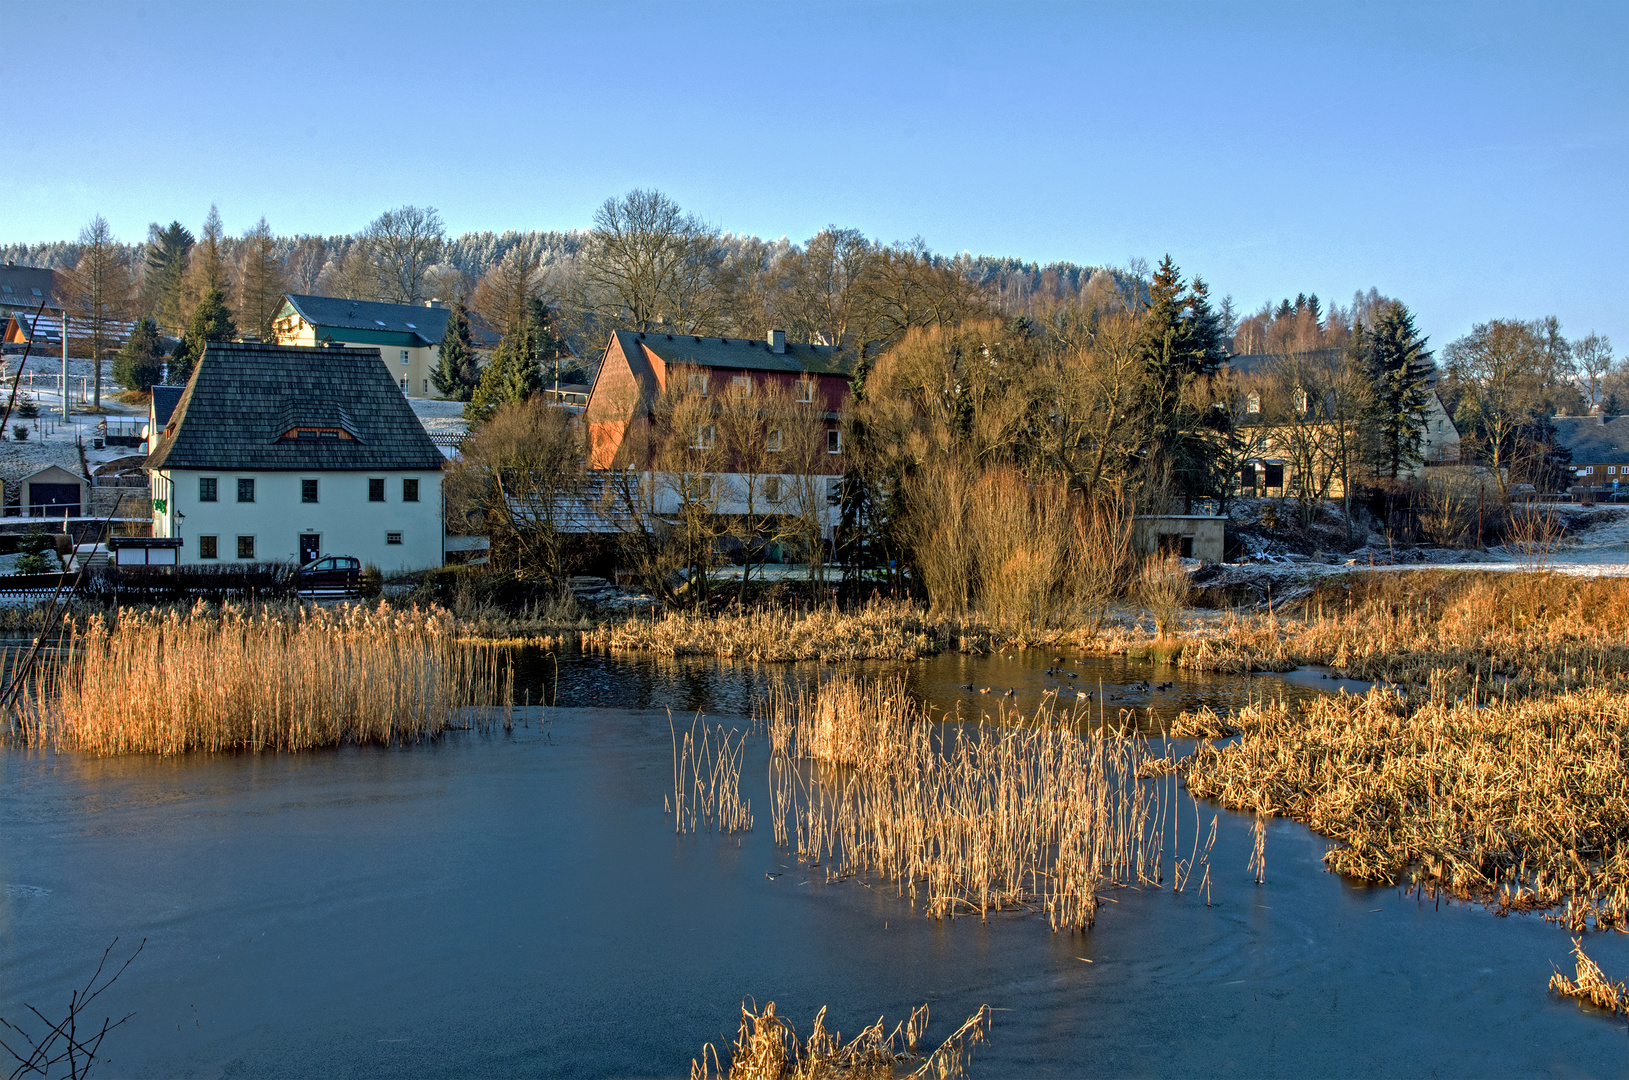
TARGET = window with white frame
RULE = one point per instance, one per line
(741, 385)
(698, 488)
(772, 488)
(774, 442)
(834, 440)
(698, 383)
(805, 390)
(404, 356)
(706, 435)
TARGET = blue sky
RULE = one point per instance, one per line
(1468, 159)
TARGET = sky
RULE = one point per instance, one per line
(1468, 159)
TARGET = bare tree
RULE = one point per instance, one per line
(208, 267)
(96, 295)
(819, 296)
(1593, 357)
(405, 243)
(305, 264)
(504, 294)
(521, 473)
(1498, 375)
(689, 459)
(354, 275)
(262, 282)
(647, 264)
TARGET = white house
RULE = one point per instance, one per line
(286, 453)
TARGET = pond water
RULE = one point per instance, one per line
(517, 904)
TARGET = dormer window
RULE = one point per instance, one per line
(319, 435)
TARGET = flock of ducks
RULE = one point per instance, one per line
(1141, 686)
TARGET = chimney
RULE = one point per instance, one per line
(777, 341)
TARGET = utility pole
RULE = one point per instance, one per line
(65, 363)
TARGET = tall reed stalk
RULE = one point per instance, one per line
(968, 819)
(238, 678)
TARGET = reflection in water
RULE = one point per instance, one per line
(518, 904)
(1147, 692)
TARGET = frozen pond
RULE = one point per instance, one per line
(518, 904)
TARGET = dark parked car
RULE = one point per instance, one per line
(339, 573)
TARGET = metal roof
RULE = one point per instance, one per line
(244, 397)
(332, 313)
(22, 281)
(743, 354)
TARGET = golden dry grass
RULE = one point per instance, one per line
(768, 1048)
(231, 678)
(707, 780)
(1590, 985)
(1520, 804)
(968, 819)
(881, 630)
(1504, 634)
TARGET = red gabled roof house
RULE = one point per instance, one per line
(637, 368)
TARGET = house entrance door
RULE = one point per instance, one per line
(310, 547)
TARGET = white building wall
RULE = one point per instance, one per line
(730, 495)
(342, 516)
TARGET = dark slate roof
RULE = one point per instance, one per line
(22, 281)
(164, 402)
(1594, 439)
(243, 397)
(743, 354)
(428, 323)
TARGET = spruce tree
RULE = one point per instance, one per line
(140, 363)
(1398, 368)
(1180, 340)
(212, 321)
(457, 372)
(511, 375)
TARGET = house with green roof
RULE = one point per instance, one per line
(407, 336)
(283, 453)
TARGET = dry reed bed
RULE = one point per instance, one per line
(967, 819)
(881, 630)
(768, 1048)
(1488, 634)
(1522, 804)
(232, 678)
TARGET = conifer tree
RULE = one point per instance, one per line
(211, 321)
(457, 373)
(512, 374)
(1398, 368)
(140, 363)
(1180, 341)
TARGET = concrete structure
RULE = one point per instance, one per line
(1192, 536)
(278, 453)
(407, 337)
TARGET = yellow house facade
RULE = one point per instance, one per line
(407, 336)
